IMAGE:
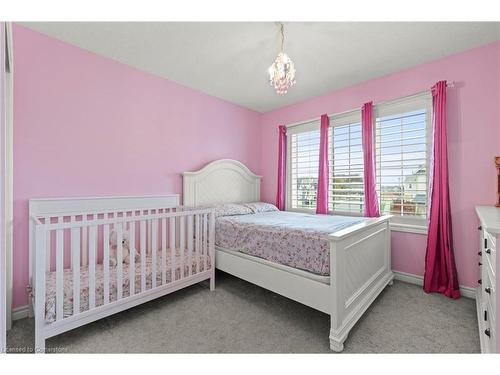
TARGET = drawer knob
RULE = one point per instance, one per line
(480, 263)
(487, 332)
(487, 290)
(479, 253)
(479, 227)
(488, 251)
(480, 281)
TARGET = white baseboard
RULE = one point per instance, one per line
(20, 312)
(465, 291)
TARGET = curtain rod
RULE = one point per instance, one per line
(450, 84)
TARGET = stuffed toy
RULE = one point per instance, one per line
(127, 250)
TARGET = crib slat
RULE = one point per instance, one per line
(205, 241)
(105, 262)
(49, 248)
(97, 241)
(163, 224)
(211, 246)
(182, 244)
(148, 231)
(197, 244)
(119, 260)
(72, 219)
(143, 255)
(92, 263)
(154, 249)
(190, 244)
(131, 278)
(39, 274)
(75, 257)
(60, 219)
(201, 243)
(59, 274)
(172, 249)
(84, 243)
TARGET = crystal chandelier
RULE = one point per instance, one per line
(282, 71)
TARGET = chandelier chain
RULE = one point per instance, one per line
(282, 36)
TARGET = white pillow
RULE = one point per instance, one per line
(257, 207)
(230, 209)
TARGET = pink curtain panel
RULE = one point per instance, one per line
(371, 199)
(440, 271)
(322, 191)
(280, 195)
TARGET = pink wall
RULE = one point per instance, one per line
(86, 125)
(473, 136)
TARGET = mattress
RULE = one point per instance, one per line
(50, 296)
(292, 239)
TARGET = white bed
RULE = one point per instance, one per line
(359, 255)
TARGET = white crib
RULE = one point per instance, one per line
(71, 280)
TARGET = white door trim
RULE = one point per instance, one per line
(3, 309)
(5, 180)
(7, 170)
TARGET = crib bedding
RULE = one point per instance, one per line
(292, 239)
(50, 297)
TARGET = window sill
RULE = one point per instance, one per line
(409, 228)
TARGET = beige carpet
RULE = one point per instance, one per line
(239, 317)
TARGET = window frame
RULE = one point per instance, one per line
(347, 118)
(399, 223)
(409, 223)
(340, 119)
(304, 127)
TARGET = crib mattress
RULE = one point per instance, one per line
(50, 296)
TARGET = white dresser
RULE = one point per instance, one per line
(486, 301)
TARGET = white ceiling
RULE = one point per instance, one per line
(230, 60)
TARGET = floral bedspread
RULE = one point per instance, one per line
(50, 296)
(292, 239)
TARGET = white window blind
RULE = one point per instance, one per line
(346, 188)
(345, 161)
(402, 154)
(303, 162)
(402, 144)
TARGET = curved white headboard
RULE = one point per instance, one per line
(221, 181)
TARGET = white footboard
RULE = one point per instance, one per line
(360, 264)
(89, 265)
